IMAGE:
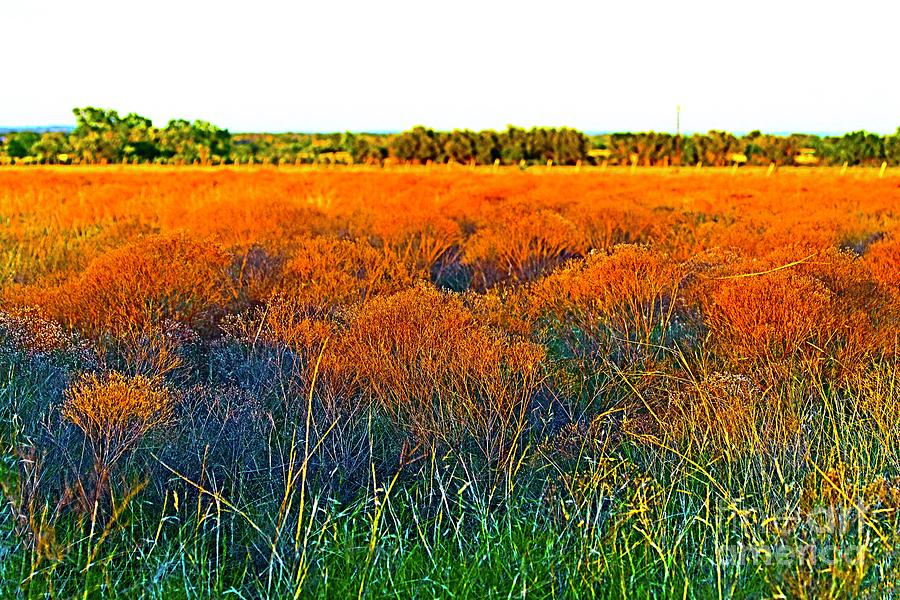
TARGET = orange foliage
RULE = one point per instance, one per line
(141, 284)
(329, 272)
(115, 412)
(422, 357)
(143, 252)
(625, 296)
(884, 260)
(521, 246)
(769, 319)
(821, 307)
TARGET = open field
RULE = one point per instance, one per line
(449, 382)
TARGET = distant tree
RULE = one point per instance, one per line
(860, 147)
(51, 146)
(20, 144)
(364, 148)
(141, 139)
(689, 152)
(513, 145)
(569, 146)
(199, 141)
(417, 144)
(98, 134)
(459, 146)
(103, 135)
(487, 147)
(892, 148)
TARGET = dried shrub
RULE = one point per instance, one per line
(114, 412)
(824, 313)
(329, 272)
(769, 320)
(426, 244)
(609, 304)
(876, 392)
(29, 330)
(605, 227)
(521, 246)
(422, 358)
(721, 412)
(884, 260)
(142, 284)
(867, 314)
(167, 349)
(257, 273)
(292, 335)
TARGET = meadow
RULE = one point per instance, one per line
(449, 382)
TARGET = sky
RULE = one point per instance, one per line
(335, 65)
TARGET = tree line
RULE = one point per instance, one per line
(102, 136)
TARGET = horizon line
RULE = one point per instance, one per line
(54, 127)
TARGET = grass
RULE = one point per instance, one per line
(646, 519)
(204, 400)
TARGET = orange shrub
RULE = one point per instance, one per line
(866, 312)
(884, 260)
(835, 311)
(330, 272)
(770, 320)
(424, 360)
(521, 246)
(142, 284)
(607, 301)
(420, 239)
(604, 227)
(115, 412)
(313, 245)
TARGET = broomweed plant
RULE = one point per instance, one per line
(115, 412)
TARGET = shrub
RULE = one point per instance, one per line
(142, 284)
(771, 320)
(521, 246)
(421, 357)
(616, 304)
(884, 260)
(426, 244)
(826, 313)
(114, 412)
(30, 331)
(328, 272)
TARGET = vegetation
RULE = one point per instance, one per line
(103, 136)
(446, 383)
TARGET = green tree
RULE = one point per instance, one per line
(198, 141)
(892, 148)
(50, 146)
(417, 145)
(96, 136)
(20, 144)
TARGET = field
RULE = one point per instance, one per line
(449, 382)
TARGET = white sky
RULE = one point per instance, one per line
(325, 65)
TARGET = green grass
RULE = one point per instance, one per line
(646, 517)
